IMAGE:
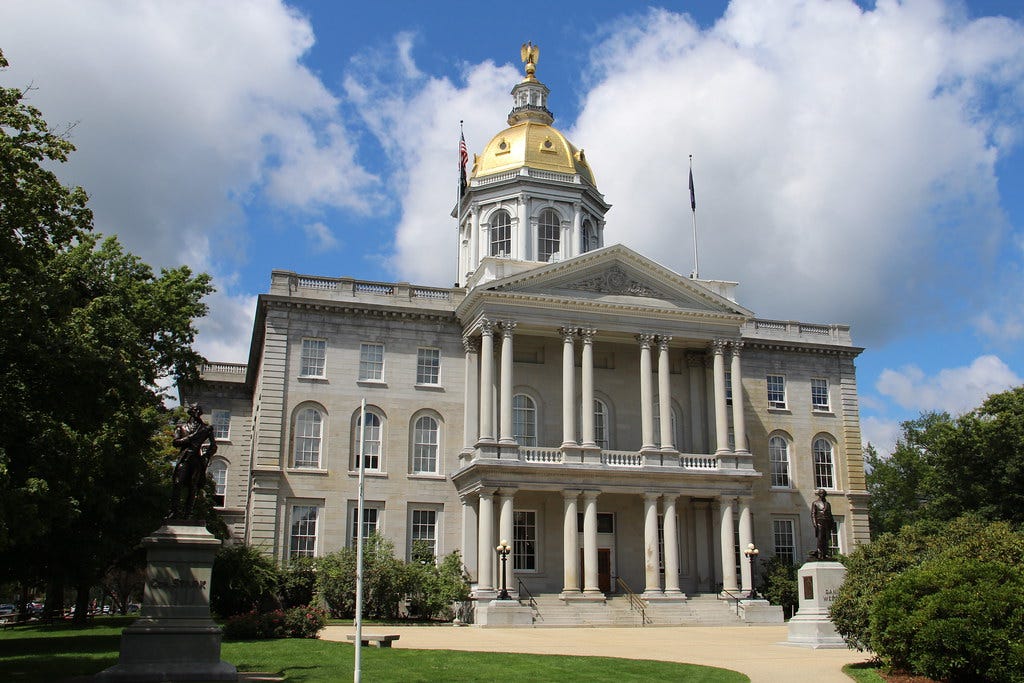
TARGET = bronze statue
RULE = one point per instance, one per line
(190, 470)
(824, 523)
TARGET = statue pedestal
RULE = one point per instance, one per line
(174, 639)
(818, 583)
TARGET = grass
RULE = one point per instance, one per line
(864, 672)
(53, 653)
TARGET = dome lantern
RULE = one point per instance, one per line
(530, 96)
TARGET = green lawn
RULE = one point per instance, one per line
(864, 672)
(55, 653)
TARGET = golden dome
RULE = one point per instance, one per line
(534, 145)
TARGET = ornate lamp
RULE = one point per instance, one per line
(503, 551)
(752, 552)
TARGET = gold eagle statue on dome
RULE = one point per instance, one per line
(529, 54)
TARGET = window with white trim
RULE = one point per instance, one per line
(302, 541)
(673, 424)
(601, 424)
(501, 234)
(313, 358)
(824, 469)
(371, 521)
(371, 362)
(778, 457)
(728, 387)
(524, 540)
(784, 540)
(423, 534)
(428, 366)
(819, 394)
(308, 438)
(219, 473)
(372, 441)
(425, 442)
(776, 391)
(524, 420)
(220, 420)
(549, 232)
(835, 538)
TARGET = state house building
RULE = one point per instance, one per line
(618, 423)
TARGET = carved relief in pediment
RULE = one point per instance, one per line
(614, 281)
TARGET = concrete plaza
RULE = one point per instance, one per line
(758, 651)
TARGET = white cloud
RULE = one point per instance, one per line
(880, 433)
(225, 333)
(321, 237)
(954, 390)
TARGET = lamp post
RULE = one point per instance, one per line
(503, 550)
(752, 552)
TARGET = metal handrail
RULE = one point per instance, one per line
(532, 602)
(635, 603)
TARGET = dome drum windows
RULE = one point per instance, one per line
(500, 234)
(549, 234)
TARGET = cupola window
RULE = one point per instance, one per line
(549, 231)
(501, 234)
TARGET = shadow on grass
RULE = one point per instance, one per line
(30, 645)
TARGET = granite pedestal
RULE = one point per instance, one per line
(174, 639)
(818, 585)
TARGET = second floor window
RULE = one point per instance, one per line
(314, 358)
(776, 391)
(819, 394)
(428, 366)
(220, 420)
(308, 432)
(371, 362)
(824, 472)
(778, 455)
(424, 457)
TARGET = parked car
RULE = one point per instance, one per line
(8, 608)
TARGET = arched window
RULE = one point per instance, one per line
(501, 233)
(657, 425)
(371, 441)
(824, 471)
(778, 457)
(424, 449)
(601, 425)
(524, 420)
(308, 438)
(219, 473)
(588, 236)
(549, 230)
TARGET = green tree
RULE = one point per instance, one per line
(243, 580)
(89, 331)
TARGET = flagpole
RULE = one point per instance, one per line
(463, 156)
(357, 674)
(693, 210)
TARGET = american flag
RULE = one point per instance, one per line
(463, 160)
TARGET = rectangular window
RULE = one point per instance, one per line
(605, 522)
(424, 535)
(785, 544)
(819, 394)
(371, 362)
(220, 420)
(371, 522)
(303, 531)
(835, 545)
(728, 387)
(776, 391)
(524, 540)
(314, 357)
(428, 366)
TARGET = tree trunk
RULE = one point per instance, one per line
(54, 608)
(82, 604)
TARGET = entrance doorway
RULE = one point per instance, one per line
(604, 569)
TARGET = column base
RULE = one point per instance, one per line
(483, 594)
(570, 595)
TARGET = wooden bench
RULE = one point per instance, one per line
(380, 640)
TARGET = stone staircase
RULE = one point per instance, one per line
(698, 610)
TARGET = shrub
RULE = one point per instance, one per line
(778, 584)
(954, 619)
(243, 580)
(243, 626)
(272, 624)
(386, 580)
(305, 621)
(298, 582)
(436, 588)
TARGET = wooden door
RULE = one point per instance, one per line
(604, 569)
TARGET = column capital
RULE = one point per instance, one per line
(587, 333)
(736, 345)
(567, 333)
(718, 346)
(487, 492)
(663, 342)
(486, 327)
(652, 496)
(670, 496)
(507, 491)
(645, 340)
(570, 494)
(507, 326)
(590, 494)
(471, 344)
(727, 498)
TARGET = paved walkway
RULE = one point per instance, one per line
(753, 650)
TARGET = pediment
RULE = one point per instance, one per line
(618, 275)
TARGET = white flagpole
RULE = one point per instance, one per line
(693, 208)
(357, 675)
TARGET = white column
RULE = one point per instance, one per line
(525, 224)
(471, 427)
(570, 544)
(721, 415)
(486, 382)
(665, 395)
(670, 530)
(485, 541)
(652, 559)
(739, 429)
(698, 432)
(727, 534)
(568, 387)
(646, 393)
(746, 538)
(506, 382)
(700, 532)
(587, 388)
(505, 532)
(577, 224)
(470, 532)
(591, 584)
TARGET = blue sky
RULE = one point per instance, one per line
(854, 163)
